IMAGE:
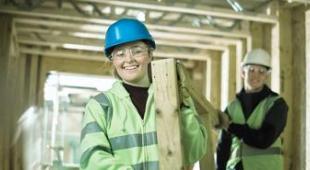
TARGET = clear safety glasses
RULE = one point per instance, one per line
(134, 51)
(256, 69)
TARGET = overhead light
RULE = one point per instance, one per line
(196, 22)
(235, 5)
(83, 47)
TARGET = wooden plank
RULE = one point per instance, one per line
(167, 112)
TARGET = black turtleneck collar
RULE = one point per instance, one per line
(138, 97)
(250, 100)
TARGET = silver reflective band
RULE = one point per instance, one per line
(133, 140)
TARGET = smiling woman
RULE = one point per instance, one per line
(119, 125)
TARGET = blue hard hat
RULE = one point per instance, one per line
(124, 31)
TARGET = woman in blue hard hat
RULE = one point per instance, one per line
(250, 139)
(119, 127)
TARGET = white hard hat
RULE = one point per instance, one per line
(257, 56)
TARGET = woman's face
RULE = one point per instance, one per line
(131, 62)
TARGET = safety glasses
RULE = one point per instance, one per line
(256, 69)
(134, 51)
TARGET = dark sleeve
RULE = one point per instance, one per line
(223, 150)
(270, 130)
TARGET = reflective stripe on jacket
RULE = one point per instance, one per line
(115, 137)
(254, 158)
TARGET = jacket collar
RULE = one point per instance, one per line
(119, 90)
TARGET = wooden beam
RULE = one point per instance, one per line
(96, 32)
(213, 95)
(102, 22)
(299, 87)
(241, 49)
(214, 78)
(98, 57)
(98, 47)
(216, 12)
(167, 114)
(281, 75)
(232, 73)
(62, 54)
(224, 79)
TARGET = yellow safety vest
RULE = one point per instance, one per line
(254, 158)
(115, 137)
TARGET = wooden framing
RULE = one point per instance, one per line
(232, 46)
(167, 114)
(48, 64)
(205, 12)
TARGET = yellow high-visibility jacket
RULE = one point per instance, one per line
(114, 137)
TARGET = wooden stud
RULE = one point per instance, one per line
(213, 95)
(232, 73)
(224, 79)
(281, 75)
(299, 88)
